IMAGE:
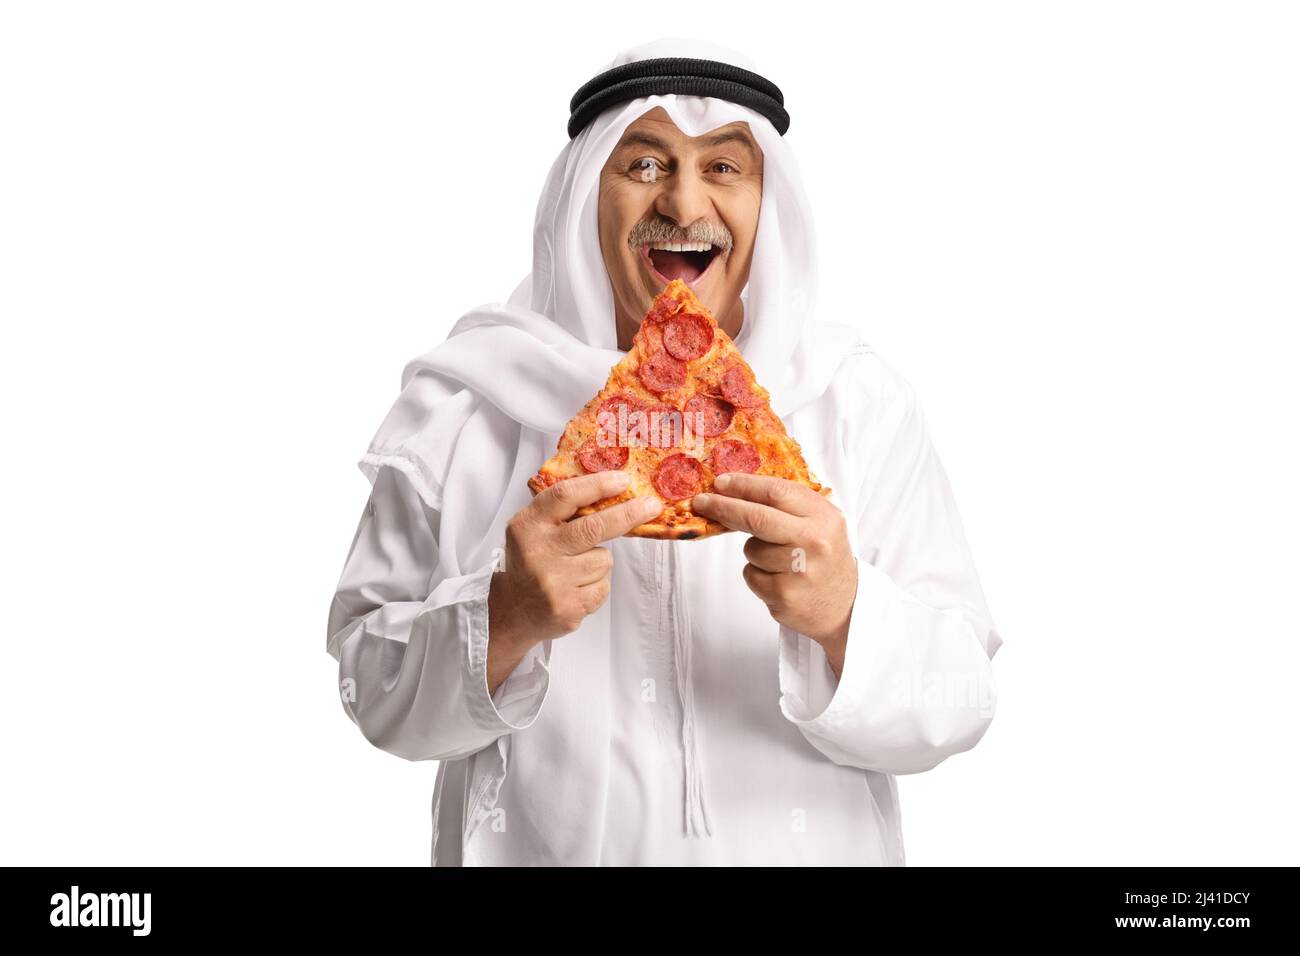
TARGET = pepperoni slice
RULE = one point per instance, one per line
(735, 388)
(662, 309)
(616, 417)
(732, 455)
(687, 336)
(662, 373)
(593, 456)
(663, 426)
(612, 403)
(678, 477)
(708, 416)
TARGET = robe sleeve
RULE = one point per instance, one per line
(917, 682)
(413, 662)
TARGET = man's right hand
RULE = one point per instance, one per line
(556, 572)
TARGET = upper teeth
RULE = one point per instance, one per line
(682, 246)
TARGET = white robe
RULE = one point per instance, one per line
(679, 724)
(719, 736)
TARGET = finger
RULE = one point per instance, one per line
(562, 500)
(776, 558)
(761, 521)
(779, 493)
(762, 583)
(594, 595)
(591, 566)
(583, 534)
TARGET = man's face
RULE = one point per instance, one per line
(661, 188)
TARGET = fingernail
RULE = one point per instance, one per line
(722, 481)
(700, 499)
(622, 478)
(651, 506)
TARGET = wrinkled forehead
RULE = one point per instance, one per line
(656, 129)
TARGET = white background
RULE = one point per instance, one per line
(224, 228)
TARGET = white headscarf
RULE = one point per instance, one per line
(479, 413)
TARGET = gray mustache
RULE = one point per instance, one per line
(660, 230)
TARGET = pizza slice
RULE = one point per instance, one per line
(680, 408)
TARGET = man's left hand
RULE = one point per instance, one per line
(800, 562)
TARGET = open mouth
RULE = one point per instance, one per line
(687, 261)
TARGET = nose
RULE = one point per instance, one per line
(684, 198)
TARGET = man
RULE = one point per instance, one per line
(601, 700)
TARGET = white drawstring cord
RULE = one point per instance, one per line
(695, 813)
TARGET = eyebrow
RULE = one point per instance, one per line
(730, 136)
(643, 138)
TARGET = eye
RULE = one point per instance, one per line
(647, 168)
(722, 166)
